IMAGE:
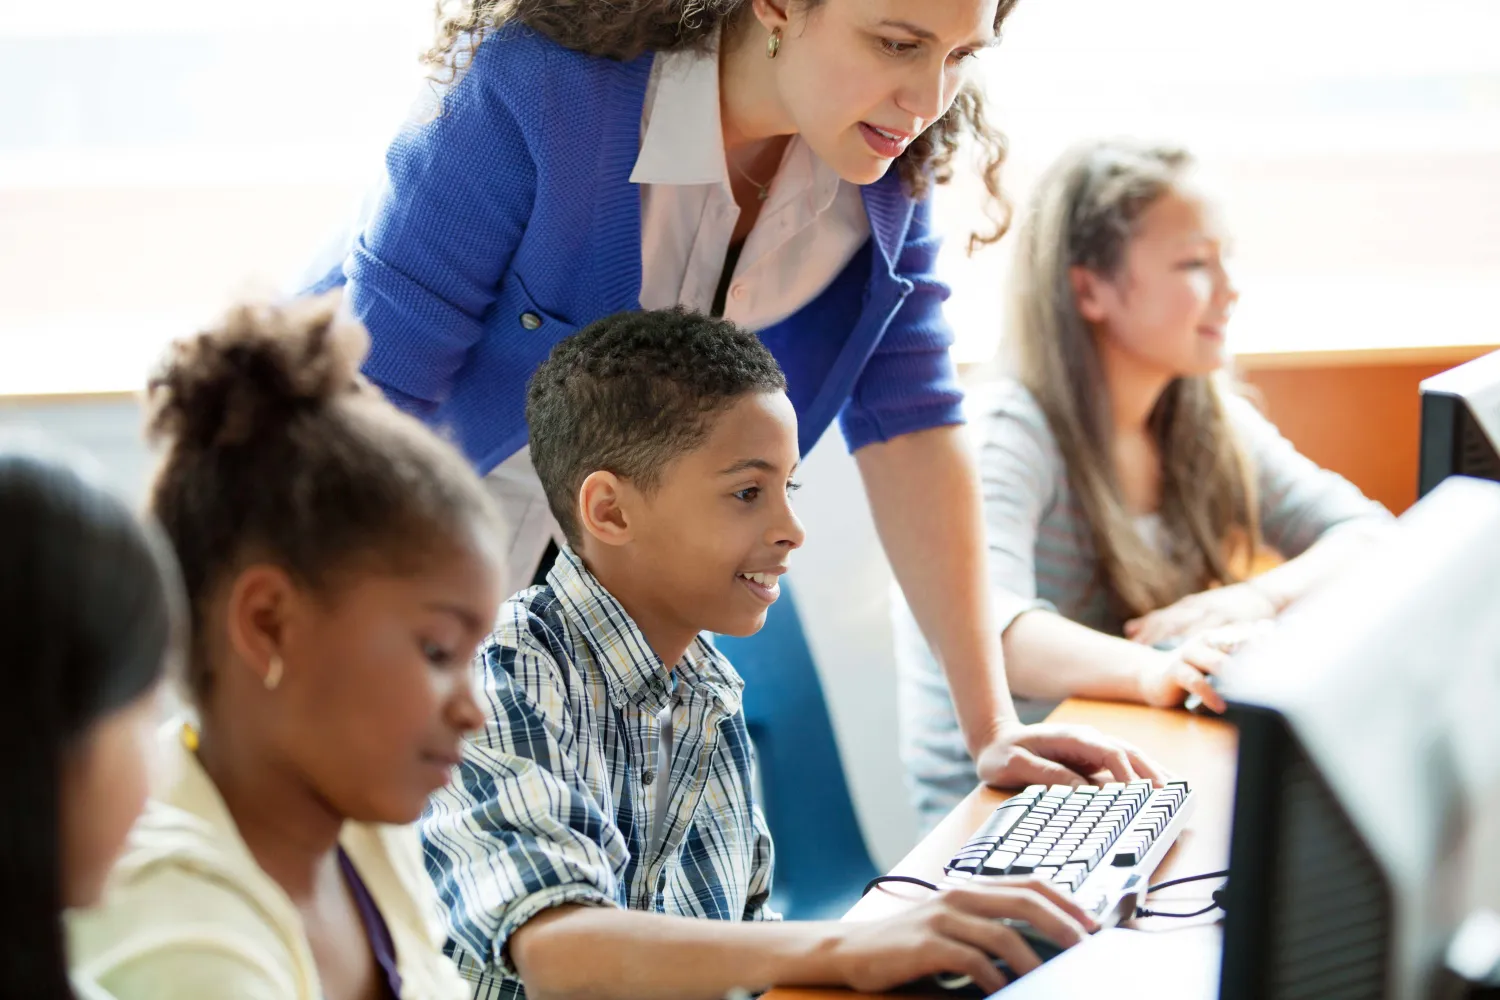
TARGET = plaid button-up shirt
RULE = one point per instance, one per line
(555, 797)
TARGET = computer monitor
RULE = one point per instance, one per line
(1461, 424)
(1367, 807)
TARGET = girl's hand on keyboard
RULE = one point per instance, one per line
(960, 930)
(1187, 669)
(1184, 671)
(1198, 613)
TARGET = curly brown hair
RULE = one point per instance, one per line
(626, 29)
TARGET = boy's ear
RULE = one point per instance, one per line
(602, 502)
(1088, 292)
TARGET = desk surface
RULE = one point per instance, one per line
(1201, 750)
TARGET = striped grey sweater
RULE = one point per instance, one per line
(1041, 554)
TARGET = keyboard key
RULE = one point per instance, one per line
(1025, 864)
(966, 864)
(1055, 860)
(1014, 844)
(1001, 821)
(998, 863)
(1129, 854)
(1047, 872)
(1062, 790)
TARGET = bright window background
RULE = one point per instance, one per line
(1355, 147)
(158, 157)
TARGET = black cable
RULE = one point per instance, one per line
(1182, 881)
(909, 879)
(1141, 911)
(1220, 896)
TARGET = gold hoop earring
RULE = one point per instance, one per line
(273, 674)
(773, 45)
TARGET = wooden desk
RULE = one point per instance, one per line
(1199, 749)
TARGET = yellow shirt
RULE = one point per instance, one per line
(189, 914)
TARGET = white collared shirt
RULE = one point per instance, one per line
(812, 224)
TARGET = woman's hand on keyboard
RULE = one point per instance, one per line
(1050, 753)
(960, 930)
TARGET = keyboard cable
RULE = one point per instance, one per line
(1220, 895)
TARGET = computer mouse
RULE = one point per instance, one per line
(964, 986)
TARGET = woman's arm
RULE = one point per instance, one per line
(924, 494)
(633, 954)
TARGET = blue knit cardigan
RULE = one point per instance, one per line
(509, 221)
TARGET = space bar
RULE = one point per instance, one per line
(1001, 820)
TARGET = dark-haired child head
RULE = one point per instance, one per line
(338, 564)
(89, 614)
(666, 444)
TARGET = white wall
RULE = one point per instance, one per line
(843, 583)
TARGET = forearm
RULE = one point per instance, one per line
(1294, 579)
(1049, 657)
(924, 493)
(633, 954)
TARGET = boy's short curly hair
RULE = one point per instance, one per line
(630, 393)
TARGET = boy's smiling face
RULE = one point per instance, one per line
(703, 550)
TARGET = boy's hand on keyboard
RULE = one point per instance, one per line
(1057, 754)
(959, 931)
(1197, 613)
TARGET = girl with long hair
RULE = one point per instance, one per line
(1128, 488)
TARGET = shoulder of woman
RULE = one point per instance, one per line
(517, 55)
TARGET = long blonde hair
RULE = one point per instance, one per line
(1084, 214)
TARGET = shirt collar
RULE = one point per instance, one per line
(683, 138)
(633, 673)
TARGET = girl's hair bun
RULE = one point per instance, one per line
(260, 368)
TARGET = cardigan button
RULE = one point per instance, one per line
(530, 320)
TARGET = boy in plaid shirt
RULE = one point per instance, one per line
(603, 836)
